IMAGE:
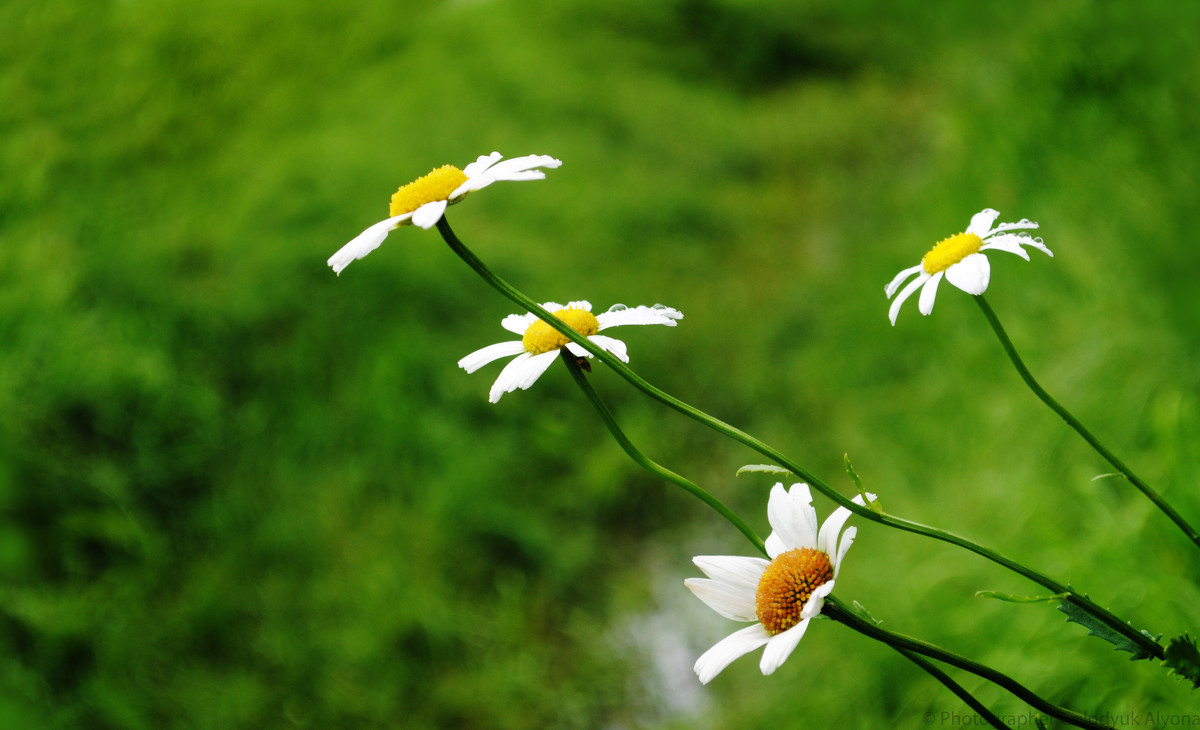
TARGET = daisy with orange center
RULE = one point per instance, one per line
(780, 595)
(959, 259)
(540, 343)
(424, 201)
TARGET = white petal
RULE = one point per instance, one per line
(828, 538)
(521, 373)
(581, 304)
(736, 570)
(981, 222)
(520, 168)
(971, 274)
(843, 545)
(616, 347)
(733, 603)
(905, 294)
(774, 545)
(518, 323)
(1010, 243)
(491, 353)
(481, 164)
(638, 315)
(364, 243)
(780, 647)
(1023, 223)
(429, 214)
(816, 600)
(929, 292)
(577, 350)
(737, 644)
(890, 289)
(791, 514)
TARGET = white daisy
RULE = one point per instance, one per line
(423, 201)
(540, 343)
(780, 595)
(959, 260)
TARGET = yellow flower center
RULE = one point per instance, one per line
(950, 251)
(437, 185)
(541, 337)
(787, 584)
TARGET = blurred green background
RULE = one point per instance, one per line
(238, 491)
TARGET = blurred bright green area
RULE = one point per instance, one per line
(238, 491)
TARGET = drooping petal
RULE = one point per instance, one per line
(429, 214)
(780, 647)
(971, 274)
(522, 372)
(792, 516)
(981, 222)
(731, 602)
(615, 346)
(899, 279)
(929, 293)
(638, 315)
(737, 644)
(491, 353)
(736, 570)
(364, 243)
(905, 294)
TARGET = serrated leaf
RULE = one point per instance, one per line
(1010, 598)
(1096, 627)
(1183, 658)
(765, 468)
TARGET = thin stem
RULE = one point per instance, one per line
(651, 466)
(1074, 423)
(979, 708)
(779, 458)
(838, 612)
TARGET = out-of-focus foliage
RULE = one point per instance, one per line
(237, 491)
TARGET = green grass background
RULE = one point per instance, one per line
(237, 491)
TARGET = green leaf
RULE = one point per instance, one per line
(1010, 598)
(1183, 658)
(1096, 627)
(873, 504)
(766, 468)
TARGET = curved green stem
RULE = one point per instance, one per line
(1074, 423)
(932, 669)
(836, 611)
(746, 439)
(650, 465)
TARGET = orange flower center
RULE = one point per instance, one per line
(787, 584)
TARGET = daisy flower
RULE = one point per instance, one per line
(780, 595)
(423, 201)
(540, 343)
(959, 260)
